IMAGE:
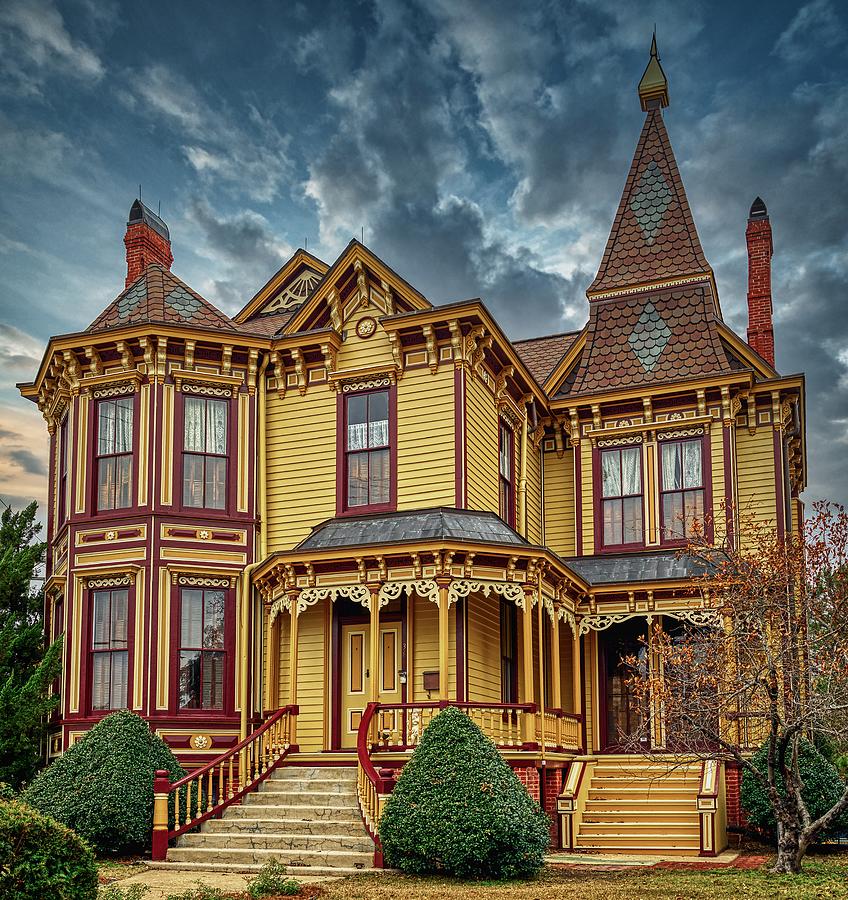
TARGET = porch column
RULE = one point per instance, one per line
(527, 660)
(576, 681)
(269, 652)
(444, 637)
(556, 675)
(294, 596)
(541, 698)
(655, 664)
(374, 646)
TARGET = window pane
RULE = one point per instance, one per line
(106, 483)
(194, 427)
(632, 520)
(672, 470)
(612, 522)
(692, 471)
(105, 427)
(213, 619)
(357, 479)
(118, 698)
(673, 517)
(192, 480)
(378, 483)
(213, 680)
(192, 618)
(611, 473)
(357, 422)
(378, 419)
(123, 482)
(216, 426)
(506, 453)
(189, 679)
(100, 680)
(216, 482)
(694, 508)
(119, 618)
(631, 471)
(123, 425)
(100, 621)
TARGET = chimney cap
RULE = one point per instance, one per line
(140, 214)
(758, 209)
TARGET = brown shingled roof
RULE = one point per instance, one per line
(653, 237)
(542, 354)
(158, 296)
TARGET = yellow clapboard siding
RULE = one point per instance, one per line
(356, 352)
(482, 440)
(587, 498)
(755, 476)
(534, 494)
(425, 642)
(484, 649)
(560, 519)
(311, 678)
(566, 670)
(718, 481)
(285, 630)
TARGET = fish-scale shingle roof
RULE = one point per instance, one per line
(542, 354)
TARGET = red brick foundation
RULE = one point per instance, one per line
(733, 793)
(529, 777)
(544, 792)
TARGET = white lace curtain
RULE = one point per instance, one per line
(681, 465)
(205, 425)
(363, 435)
(621, 472)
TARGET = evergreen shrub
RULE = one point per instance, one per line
(822, 788)
(459, 809)
(40, 858)
(102, 787)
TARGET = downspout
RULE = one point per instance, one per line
(247, 572)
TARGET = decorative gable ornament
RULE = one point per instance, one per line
(295, 292)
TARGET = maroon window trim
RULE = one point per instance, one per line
(62, 481)
(598, 487)
(343, 508)
(506, 479)
(229, 650)
(705, 488)
(97, 457)
(87, 687)
(509, 651)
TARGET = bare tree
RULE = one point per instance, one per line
(771, 670)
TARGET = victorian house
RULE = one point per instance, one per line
(287, 537)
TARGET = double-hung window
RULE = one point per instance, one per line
(114, 453)
(506, 454)
(509, 652)
(682, 500)
(621, 496)
(202, 649)
(367, 450)
(109, 649)
(205, 453)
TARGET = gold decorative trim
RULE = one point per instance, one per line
(679, 433)
(621, 441)
(204, 581)
(122, 389)
(110, 581)
(206, 390)
(653, 286)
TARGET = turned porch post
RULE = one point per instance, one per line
(294, 597)
(374, 647)
(267, 701)
(576, 681)
(556, 675)
(444, 636)
(527, 660)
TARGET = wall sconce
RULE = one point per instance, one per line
(402, 676)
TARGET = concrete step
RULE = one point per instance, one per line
(327, 773)
(258, 810)
(351, 827)
(360, 843)
(308, 786)
(332, 859)
(277, 796)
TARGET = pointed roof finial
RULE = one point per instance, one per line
(653, 88)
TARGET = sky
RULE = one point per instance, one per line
(482, 147)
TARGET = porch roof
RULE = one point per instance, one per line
(441, 523)
(633, 568)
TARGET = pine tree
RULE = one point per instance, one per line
(27, 669)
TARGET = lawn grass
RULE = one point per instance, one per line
(823, 878)
(109, 870)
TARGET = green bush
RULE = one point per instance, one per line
(272, 881)
(102, 787)
(115, 892)
(40, 858)
(200, 891)
(459, 809)
(822, 788)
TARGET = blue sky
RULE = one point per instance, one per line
(481, 145)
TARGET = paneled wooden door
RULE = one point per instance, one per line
(355, 674)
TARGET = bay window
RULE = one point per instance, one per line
(109, 650)
(682, 488)
(506, 455)
(621, 496)
(114, 453)
(367, 450)
(205, 459)
(202, 651)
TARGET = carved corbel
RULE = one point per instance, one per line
(189, 354)
(596, 417)
(95, 365)
(480, 352)
(501, 381)
(252, 365)
(335, 312)
(147, 351)
(456, 342)
(750, 411)
(702, 401)
(227, 359)
(328, 351)
(71, 371)
(361, 283)
(469, 345)
(558, 443)
(279, 372)
(430, 343)
(388, 297)
(161, 357)
(648, 409)
(397, 351)
(538, 435)
(300, 369)
(127, 360)
(726, 413)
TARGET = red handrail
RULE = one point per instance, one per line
(163, 789)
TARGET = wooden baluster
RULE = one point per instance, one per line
(220, 783)
(209, 791)
(230, 790)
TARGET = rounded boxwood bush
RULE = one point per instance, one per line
(102, 787)
(41, 858)
(822, 789)
(459, 809)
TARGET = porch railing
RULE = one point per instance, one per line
(208, 791)
(747, 730)
(398, 727)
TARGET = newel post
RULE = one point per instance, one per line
(161, 789)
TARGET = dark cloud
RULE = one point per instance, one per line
(28, 461)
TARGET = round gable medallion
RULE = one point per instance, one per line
(366, 326)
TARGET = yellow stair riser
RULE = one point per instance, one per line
(660, 849)
(649, 798)
(633, 831)
(641, 820)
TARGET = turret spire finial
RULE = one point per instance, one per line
(653, 88)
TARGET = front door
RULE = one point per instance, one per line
(624, 720)
(356, 675)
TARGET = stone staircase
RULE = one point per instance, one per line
(306, 818)
(640, 806)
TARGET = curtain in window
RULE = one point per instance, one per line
(378, 483)
(672, 468)
(216, 482)
(611, 474)
(191, 624)
(123, 425)
(216, 427)
(105, 427)
(119, 618)
(692, 472)
(100, 620)
(118, 700)
(631, 471)
(194, 427)
(378, 433)
(357, 436)
(101, 681)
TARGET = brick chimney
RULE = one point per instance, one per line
(147, 241)
(758, 237)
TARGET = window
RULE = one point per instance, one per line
(682, 500)
(202, 655)
(205, 453)
(621, 493)
(367, 451)
(109, 649)
(62, 487)
(114, 453)
(509, 653)
(506, 453)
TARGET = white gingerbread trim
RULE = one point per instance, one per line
(509, 590)
(426, 588)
